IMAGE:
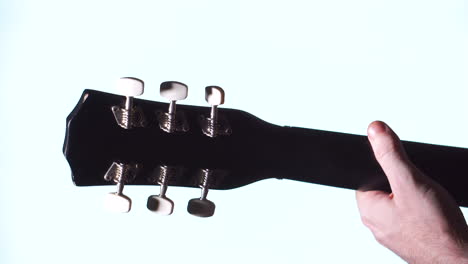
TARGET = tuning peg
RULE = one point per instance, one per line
(173, 91)
(202, 207)
(161, 204)
(212, 126)
(129, 87)
(214, 95)
(117, 201)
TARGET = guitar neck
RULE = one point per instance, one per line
(329, 158)
(347, 161)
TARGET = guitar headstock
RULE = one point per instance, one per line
(121, 140)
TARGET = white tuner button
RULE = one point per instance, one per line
(168, 121)
(130, 86)
(119, 173)
(125, 117)
(160, 204)
(118, 203)
(174, 91)
(214, 95)
(211, 126)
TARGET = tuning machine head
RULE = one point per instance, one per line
(120, 174)
(161, 204)
(128, 117)
(214, 126)
(202, 207)
(171, 121)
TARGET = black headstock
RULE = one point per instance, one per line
(94, 140)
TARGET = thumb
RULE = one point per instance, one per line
(392, 157)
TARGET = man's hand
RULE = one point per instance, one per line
(419, 220)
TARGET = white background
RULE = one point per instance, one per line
(331, 65)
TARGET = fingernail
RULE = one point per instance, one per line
(377, 127)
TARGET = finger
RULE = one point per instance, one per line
(391, 156)
(372, 205)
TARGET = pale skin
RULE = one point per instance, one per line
(419, 221)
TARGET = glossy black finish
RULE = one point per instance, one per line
(256, 150)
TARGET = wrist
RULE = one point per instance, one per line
(446, 251)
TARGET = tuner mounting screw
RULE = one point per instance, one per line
(129, 87)
(170, 122)
(161, 204)
(202, 207)
(120, 174)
